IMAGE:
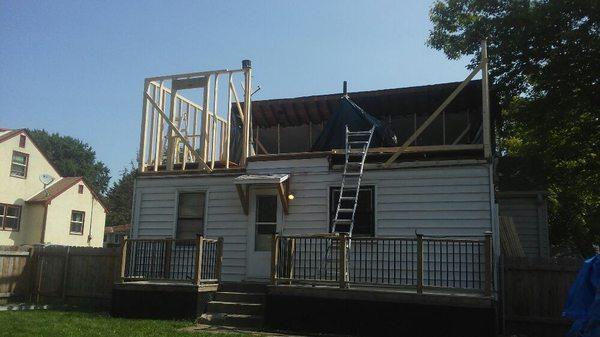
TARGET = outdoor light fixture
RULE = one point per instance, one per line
(291, 196)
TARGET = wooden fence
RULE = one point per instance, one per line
(535, 292)
(59, 274)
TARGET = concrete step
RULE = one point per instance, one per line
(241, 297)
(243, 287)
(236, 320)
(235, 308)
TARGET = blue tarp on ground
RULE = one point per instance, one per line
(583, 303)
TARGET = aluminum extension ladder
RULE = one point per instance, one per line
(357, 146)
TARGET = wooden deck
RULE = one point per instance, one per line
(168, 286)
(441, 297)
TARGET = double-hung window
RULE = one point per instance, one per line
(190, 215)
(77, 222)
(364, 218)
(10, 217)
(18, 165)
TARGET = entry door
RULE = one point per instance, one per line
(265, 220)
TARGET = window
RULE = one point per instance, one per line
(80, 189)
(10, 217)
(77, 221)
(18, 167)
(266, 221)
(190, 215)
(22, 140)
(364, 218)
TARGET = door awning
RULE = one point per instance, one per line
(279, 181)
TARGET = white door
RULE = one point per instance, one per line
(265, 219)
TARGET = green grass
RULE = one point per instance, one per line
(75, 324)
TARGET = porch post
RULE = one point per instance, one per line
(274, 255)
(343, 260)
(420, 263)
(198, 259)
(219, 261)
(488, 264)
(123, 249)
(167, 258)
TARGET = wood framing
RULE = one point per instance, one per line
(482, 66)
(190, 132)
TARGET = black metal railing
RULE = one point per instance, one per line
(419, 262)
(195, 261)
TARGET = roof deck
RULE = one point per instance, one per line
(226, 130)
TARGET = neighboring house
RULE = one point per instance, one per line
(113, 235)
(67, 212)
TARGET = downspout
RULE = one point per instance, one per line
(43, 236)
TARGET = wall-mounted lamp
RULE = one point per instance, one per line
(291, 196)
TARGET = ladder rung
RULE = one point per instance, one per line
(345, 210)
(364, 142)
(348, 198)
(354, 133)
(353, 174)
(343, 221)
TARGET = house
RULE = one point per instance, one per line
(247, 194)
(65, 212)
(114, 235)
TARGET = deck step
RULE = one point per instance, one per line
(236, 320)
(240, 297)
(235, 308)
(243, 287)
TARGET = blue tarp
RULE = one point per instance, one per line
(348, 113)
(583, 303)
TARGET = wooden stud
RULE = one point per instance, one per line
(420, 263)
(123, 265)
(142, 159)
(172, 142)
(462, 134)
(488, 264)
(247, 115)
(159, 127)
(179, 134)
(228, 129)
(433, 116)
(198, 259)
(237, 101)
(204, 133)
(214, 123)
(343, 260)
(485, 93)
(274, 256)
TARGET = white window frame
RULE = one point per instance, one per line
(71, 222)
(13, 163)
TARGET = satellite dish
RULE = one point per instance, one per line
(46, 179)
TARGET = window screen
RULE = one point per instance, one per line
(77, 221)
(190, 218)
(266, 221)
(364, 218)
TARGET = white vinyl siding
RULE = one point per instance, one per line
(449, 200)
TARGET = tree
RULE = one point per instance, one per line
(119, 198)
(73, 158)
(543, 59)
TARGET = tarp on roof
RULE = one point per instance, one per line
(349, 113)
(583, 303)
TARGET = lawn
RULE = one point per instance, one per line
(47, 323)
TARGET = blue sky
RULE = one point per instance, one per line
(77, 68)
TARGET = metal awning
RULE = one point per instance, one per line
(280, 181)
(249, 179)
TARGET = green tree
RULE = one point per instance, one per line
(73, 158)
(119, 198)
(543, 58)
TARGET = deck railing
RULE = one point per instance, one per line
(411, 262)
(195, 261)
